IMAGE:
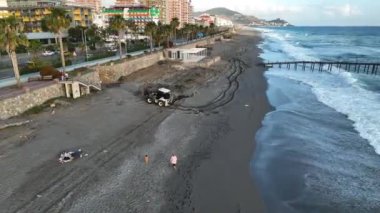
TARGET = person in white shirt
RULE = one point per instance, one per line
(173, 161)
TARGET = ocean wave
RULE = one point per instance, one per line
(338, 90)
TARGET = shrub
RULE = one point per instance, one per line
(50, 71)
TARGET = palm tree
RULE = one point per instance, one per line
(174, 25)
(212, 29)
(133, 27)
(118, 24)
(57, 22)
(187, 31)
(166, 31)
(11, 36)
(150, 30)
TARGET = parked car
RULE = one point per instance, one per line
(48, 53)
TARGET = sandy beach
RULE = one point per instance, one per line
(212, 132)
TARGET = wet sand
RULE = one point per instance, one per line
(212, 133)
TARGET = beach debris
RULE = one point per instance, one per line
(53, 112)
(62, 103)
(246, 105)
(39, 196)
(69, 156)
(8, 124)
(52, 105)
(148, 201)
(105, 151)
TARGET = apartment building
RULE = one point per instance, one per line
(3, 13)
(140, 14)
(34, 3)
(125, 3)
(180, 9)
(96, 5)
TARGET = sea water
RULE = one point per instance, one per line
(319, 150)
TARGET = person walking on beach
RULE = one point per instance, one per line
(173, 161)
(146, 159)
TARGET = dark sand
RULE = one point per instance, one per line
(217, 174)
(212, 133)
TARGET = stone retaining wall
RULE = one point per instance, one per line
(90, 78)
(112, 72)
(16, 105)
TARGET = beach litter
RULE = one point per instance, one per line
(246, 105)
(66, 157)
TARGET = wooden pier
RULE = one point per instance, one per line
(323, 66)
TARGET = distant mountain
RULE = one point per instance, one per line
(220, 11)
(239, 18)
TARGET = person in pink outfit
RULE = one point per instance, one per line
(173, 161)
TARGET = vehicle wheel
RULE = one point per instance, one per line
(161, 103)
(149, 100)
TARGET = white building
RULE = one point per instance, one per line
(101, 20)
(220, 21)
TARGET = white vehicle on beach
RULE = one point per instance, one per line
(162, 96)
(48, 53)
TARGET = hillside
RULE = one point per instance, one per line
(239, 18)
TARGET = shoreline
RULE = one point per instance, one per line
(219, 176)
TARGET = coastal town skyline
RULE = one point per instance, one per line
(312, 13)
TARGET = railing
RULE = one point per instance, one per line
(355, 67)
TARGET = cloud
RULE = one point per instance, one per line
(346, 10)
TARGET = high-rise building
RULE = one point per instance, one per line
(34, 3)
(159, 4)
(3, 13)
(180, 9)
(124, 3)
(95, 4)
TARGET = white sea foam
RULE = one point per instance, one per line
(338, 90)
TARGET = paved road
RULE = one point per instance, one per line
(10, 81)
(4, 82)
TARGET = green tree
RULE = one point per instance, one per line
(187, 31)
(93, 35)
(75, 34)
(34, 48)
(166, 32)
(11, 36)
(57, 22)
(118, 23)
(132, 26)
(150, 30)
(174, 23)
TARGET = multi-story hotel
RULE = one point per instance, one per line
(3, 13)
(33, 3)
(140, 14)
(126, 3)
(180, 9)
(32, 12)
(94, 4)
(169, 9)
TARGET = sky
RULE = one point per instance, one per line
(302, 12)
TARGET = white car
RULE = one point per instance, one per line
(48, 53)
